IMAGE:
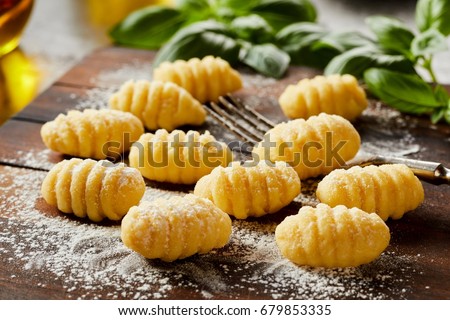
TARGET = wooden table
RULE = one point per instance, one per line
(47, 255)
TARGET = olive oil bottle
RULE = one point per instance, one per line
(14, 15)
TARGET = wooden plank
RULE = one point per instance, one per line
(55, 100)
(21, 145)
(416, 266)
(108, 60)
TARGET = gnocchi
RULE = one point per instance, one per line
(206, 79)
(176, 228)
(334, 94)
(389, 190)
(332, 237)
(312, 147)
(158, 104)
(92, 133)
(93, 189)
(178, 157)
(256, 190)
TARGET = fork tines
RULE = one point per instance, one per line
(240, 119)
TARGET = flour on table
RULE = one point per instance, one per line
(134, 70)
(90, 261)
(96, 98)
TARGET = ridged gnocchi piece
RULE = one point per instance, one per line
(92, 133)
(93, 189)
(250, 190)
(176, 228)
(312, 147)
(334, 94)
(388, 190)
(206, 79)
(178, 157)
(158, 104)
(332, 237)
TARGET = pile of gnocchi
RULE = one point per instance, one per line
(346, 229)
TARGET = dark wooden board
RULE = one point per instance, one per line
(423, 235)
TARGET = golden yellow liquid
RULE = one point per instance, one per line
(14, 15)
(20, 78)
(19, 83)
(109, 12)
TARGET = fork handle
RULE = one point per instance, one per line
(433, 172)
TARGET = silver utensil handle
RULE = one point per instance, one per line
(433, 172)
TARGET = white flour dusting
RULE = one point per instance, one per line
(386, 132)
(134, 70)
(33, 159)
(96, 98)
(91, 262)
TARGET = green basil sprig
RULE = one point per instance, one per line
(268, 35)
(198, 40)
(148, 28)
(389, 65)
(232, 29)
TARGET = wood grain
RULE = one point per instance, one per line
(423, 235)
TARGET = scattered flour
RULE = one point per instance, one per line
(90, 261)
(134, 70)
(33, 159)
(384, 131)
(96, 98)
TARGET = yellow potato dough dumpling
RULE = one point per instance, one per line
(158, 104)
(92, 133)
(334, 94)
(93, 189)
(206, 79)
(178, 157)
(176, 228)
(312, 147)
(389, 190)
(332, 237)
(250, 190)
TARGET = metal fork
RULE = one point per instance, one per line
(250, 126)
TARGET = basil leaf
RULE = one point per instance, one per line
(357, 60)
(392, 34)
(429, 42)
(433, 14)
(252, 28)
(267, 59)
(148, 28)
(238, 6)
(198, 40)
(192, 6)
(437, 115)
(281, 13)
(343, 41)
(407, 93)
(196, 10)
(298, 40)
(441, 94)
(447, 113)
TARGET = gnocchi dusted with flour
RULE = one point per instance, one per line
(250, 190)
(388, 190)
(332, 237)
(92, 133)
(158, 104)
(334, 94)
(178, 157)
(312, 147)
(176, 228)
(206, 79)
(93, 189)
